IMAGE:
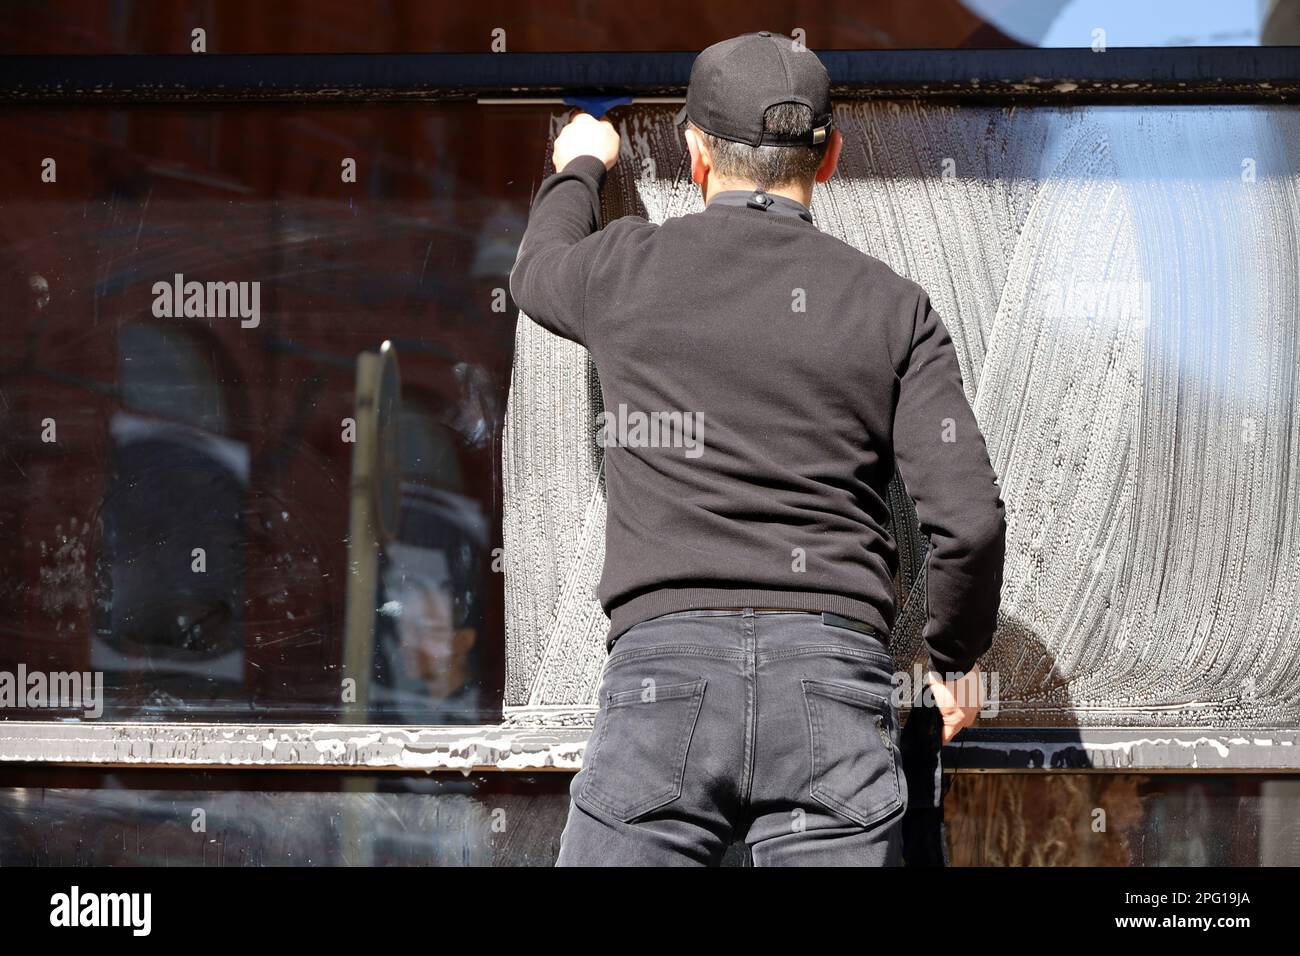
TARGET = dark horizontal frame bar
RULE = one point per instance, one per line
(1138, 749)
(1131, 74)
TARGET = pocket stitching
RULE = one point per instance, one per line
(816, 729)
(621, 698)
(591, 793)
(847, 693)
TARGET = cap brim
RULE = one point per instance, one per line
(681, 117)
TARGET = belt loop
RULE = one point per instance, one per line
(747, 612)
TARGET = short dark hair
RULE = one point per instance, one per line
(768, 166)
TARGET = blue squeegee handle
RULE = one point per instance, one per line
(597, 106)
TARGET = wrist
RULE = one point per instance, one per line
(586, 163)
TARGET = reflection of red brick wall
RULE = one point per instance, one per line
(415, 26)
(235, 195)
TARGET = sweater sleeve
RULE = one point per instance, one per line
(944, 463)
(549, 278)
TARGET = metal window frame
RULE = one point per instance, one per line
(1126, 74)
(1169, 76)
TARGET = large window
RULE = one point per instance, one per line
(257, 350)
(179, 471)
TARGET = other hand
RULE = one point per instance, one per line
(959, 701)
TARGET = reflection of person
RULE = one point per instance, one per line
(750, 582)
(426, 664)
(432, 648)
(168, 638)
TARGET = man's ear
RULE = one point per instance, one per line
(701, 158)
(827, 168)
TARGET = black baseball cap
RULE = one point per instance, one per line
(733, 83)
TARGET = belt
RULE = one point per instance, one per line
(828, 617)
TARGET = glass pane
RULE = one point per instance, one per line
(176, 491)
(1121, 289)
(192, 301)
(72, 817)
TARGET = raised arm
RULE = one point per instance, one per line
(549, 278)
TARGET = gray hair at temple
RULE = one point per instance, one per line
(768, 166)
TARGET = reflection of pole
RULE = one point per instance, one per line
(1278, 842)
(375, 508)
(363, 542)
(376, 476)
(356, 838)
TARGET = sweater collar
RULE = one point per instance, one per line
(760, 201)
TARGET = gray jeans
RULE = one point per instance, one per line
(778, 727)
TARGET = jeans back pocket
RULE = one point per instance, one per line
(636, 762)
(854, 748)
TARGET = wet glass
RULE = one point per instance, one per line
(1119, 283)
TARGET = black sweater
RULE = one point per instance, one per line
(791, 373)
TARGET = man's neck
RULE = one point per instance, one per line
(800, 194)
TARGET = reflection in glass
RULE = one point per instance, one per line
(61, 817)
(430, 626)
(175, 491)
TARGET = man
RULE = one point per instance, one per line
(761, 380)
